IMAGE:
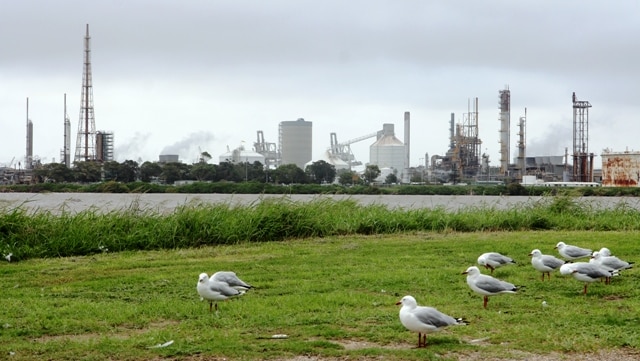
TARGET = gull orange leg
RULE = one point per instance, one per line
(486, 299)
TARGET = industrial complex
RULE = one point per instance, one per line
(461, 162)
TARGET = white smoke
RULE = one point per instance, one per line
(189, 148)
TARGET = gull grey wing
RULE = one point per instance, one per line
(431, 316)
(552, 262)
(224, 289)
(230, 278)
(574, 251)
(494, 285)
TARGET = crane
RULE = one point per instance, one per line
(343, 150)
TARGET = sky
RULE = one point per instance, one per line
(205, 75)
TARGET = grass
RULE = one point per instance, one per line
(333, 296)
(44, 234)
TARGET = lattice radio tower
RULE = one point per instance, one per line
(582, 159)
(85, 144)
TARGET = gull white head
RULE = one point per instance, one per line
(407, 301)
(472, 271)
(535, 253)
(203, 278)
(605, 252)
(560, 245)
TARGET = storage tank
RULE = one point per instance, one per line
(334, 160)
(388, 151)
(169, 158)
(241, 155)
(294, 138)
(620, 169)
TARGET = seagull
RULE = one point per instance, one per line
(212, 290)
(231, 279)
(545, 263)
(605, 251)
(493, 260)
(487, 285)
(585, 272)
(610, 263)
(572, 252)
(423, 320)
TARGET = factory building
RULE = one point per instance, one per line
(388, 151)
(295, 142)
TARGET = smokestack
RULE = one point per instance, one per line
(407, 146)
(67, 136)
(29, 153)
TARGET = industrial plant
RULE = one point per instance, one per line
(462, 162)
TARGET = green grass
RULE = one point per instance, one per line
(326, 293)
(45, 234)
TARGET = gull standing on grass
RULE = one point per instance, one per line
(493, 260)
(423, 320)
(572, 252)
(214, 291)
(487, 285)
(610, 263)
(585, 272)
(545, 263)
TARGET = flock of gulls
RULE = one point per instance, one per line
(602, 265)
(422, 319)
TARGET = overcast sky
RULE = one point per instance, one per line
(176, 76)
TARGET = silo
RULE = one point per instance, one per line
(388, 151)
(295, 142)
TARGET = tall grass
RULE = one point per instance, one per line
(43, 234)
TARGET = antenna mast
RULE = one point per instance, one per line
(85, 144)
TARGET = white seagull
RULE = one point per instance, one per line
(545, 263)
(423, 320)
(493, 260)
(487, 285)
(572, 252)
(610, 263)
(231, 279)
(605, 251)
(214, 291)
(585, 272)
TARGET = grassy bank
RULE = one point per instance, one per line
(332, 296)
(43, 234)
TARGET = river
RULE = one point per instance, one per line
(167, 202)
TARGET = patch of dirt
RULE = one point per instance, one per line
(121, 333)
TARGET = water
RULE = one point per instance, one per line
(166, 203)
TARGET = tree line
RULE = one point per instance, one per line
(319, 172)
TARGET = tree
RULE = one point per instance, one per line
(391, 178)
(371, 172)
(111, 170)
(321, 172)
(54, 172)
(174, 171)
(149, 170)
(128, 171)
(87, 172)
(348, 177)
(229, 172)
(289, 174)
(203, 171)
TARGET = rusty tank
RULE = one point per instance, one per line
(620, 169)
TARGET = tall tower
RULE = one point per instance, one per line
(505, 129)
(85, 144)
(582, 159)
(65, 154)
(28, 161)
